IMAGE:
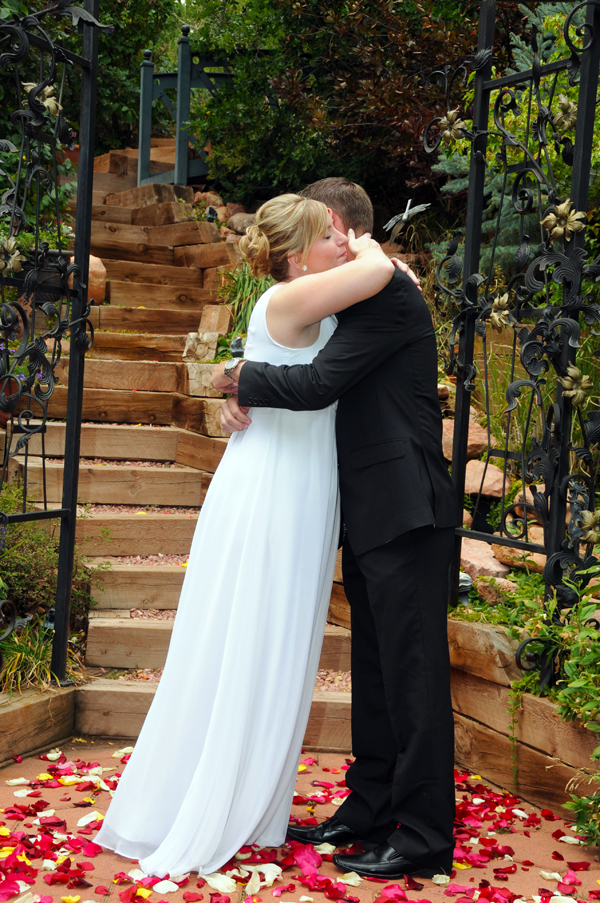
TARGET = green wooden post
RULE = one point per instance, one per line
(184, 77)
(146, 93)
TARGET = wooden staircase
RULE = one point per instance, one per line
(151, 439)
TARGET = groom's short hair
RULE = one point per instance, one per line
(346, 198)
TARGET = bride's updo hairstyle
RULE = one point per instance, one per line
(286, 225)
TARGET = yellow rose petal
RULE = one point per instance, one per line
(460, 865)
(74, 899)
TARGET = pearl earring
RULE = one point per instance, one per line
(304, 268)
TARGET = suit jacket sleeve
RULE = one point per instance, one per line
(367, 334)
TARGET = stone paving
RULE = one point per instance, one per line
(51, 809)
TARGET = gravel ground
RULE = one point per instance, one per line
(132, 509)
(326, 680)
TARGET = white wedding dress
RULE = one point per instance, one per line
(215, 765)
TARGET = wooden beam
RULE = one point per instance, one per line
(113, 441)
(166, 297)
(339, 609)
(139, 319)
(132, 271)
(116, 406)
(541, 779)
(35, 718)
(201, 256)
(195, 450)
(137, 347)
(104, 247)
(483, 650)
(539, 724)
(186, 233)
(137, 586)
(328, 728)
(136, 534)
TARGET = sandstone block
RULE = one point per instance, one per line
(516, 558)
(222, 213)
(478, 559)
(493, 482)
(239, 222)
(210, 198)
(443, 392)
(233, 208)
(477, 442)
(198, 381)
(494, 589)
(234, 238)
(467, 518)
(96, 280)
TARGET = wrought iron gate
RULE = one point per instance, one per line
(44, 289)
(529, 128)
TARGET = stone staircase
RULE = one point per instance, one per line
(150, 442)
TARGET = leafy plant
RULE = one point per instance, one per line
(241, 290)
(27, 655)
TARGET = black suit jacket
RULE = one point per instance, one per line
(381, 363)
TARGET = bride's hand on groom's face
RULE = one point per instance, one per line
(233, 417)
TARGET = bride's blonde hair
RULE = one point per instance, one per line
(286, 225)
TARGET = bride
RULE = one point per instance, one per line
(215, 765)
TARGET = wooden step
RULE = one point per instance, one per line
(138, 347)
(217, 254)
(113, 484)
(135, 534)
(139, 319)
(130, 271)
(147, 376)
(138, 643)
(165, 297)
(152, 193)
(125, 586)
(113, 708)
(110, 183)
(163, 214)
(100, 212)
(142, 252)
(119, 406)
(190, 233)
(122, 442)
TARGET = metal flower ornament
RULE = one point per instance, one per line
(526, 127)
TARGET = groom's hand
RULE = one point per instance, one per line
(233, 417)
(223, 383)
(406, 269)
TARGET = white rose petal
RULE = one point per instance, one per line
(474, 841)
(306, 899)
(137, 874)
(558, 898)
(165, 887)
(477, 800)
(122, 752)
(242, 856)
(48, 865)
(336, 801)
(179, 878)
(253, 885)
(46, 813)
(23, 886)
(25, 898)
(441, 880)
(572, 840)
(21, 793)
(218, 882)
(54, 754)
(551, 876)
(325, 848)
(519, 813)
(89, 818)
(351, 879)
(238, 873)
(14, 781)
(271, 871)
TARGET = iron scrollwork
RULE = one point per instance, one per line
(539, 303)
(43, 300)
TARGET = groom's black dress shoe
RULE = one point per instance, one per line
(382, 862)
(330, 831)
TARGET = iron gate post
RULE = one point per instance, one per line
(78, 346)
(475, 207)
(582, 159)
(145, 128)
(184, 77)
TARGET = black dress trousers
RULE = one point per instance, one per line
(402, 779)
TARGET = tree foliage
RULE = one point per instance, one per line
(342, 88)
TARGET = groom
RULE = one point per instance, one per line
(400, 510)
